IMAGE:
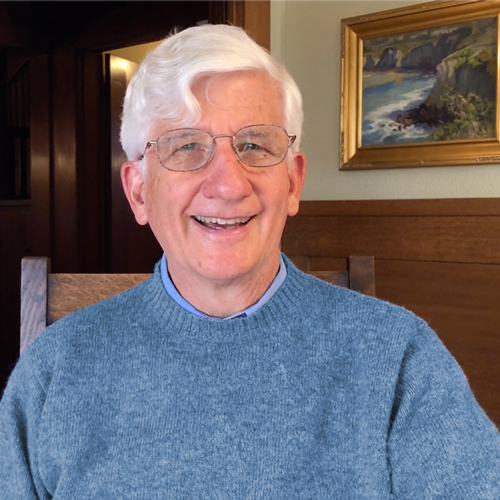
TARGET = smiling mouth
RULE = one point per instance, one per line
(218, 223)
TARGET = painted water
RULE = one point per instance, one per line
(385, 96)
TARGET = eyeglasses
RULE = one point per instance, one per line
(187, 149)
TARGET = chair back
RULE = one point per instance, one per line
(47, 297)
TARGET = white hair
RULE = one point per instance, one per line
(162, 86)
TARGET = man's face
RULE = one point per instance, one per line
(175, 204)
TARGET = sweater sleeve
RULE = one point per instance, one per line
(20, 413)
(441, 444)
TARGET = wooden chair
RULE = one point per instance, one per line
(47, 297)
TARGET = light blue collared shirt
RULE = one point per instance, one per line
(172, 291)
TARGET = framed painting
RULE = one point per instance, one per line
(420, 86)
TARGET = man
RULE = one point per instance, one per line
(230, 374)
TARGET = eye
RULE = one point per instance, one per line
(248, 146)
(190, 147)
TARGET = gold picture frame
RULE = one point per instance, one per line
(444, 128)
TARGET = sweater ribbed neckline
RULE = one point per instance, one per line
(275, 314)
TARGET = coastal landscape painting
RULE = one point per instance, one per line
(420, 86)
(430, 85)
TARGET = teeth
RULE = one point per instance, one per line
(222, 222)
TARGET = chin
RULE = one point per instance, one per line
(225, 273)
(225, 268)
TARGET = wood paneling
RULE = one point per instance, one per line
(401, 208)
(20, 27)
(93, 163)
(258, 21)
(65, 170)
(438, 258)
(254, 17)
(5, 173)
(133, 23)
(449, 238)
(41, 228)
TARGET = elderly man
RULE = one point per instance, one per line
(230, 374)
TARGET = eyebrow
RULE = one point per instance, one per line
(183, 133)
(254, 134)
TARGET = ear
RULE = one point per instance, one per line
(296, 175)
(134, 187)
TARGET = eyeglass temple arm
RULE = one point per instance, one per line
(148, 145)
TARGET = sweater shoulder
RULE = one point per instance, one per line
(74, 330)
(314, 290)
(362, 314)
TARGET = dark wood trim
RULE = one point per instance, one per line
(236, 12)
(436, 238)
(14, 203)
(258, 21)
(92, 162)
(5, 173)
(160, 18)
(20, 29)
(41, 228)
(65, 170)
(373, 208)
(217, 12)
(254, 17)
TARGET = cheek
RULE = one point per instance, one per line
(168, 200)
(280, 192)
(154, 200)
(275, 196)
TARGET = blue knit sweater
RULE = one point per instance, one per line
(321, 394)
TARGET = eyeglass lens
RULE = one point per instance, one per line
(191, 149)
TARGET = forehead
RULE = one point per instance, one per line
(234, 90)
(231, 101)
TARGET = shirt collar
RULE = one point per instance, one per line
(172, 291)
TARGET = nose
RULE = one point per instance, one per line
(227, 178)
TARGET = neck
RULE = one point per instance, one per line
(223, 297)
